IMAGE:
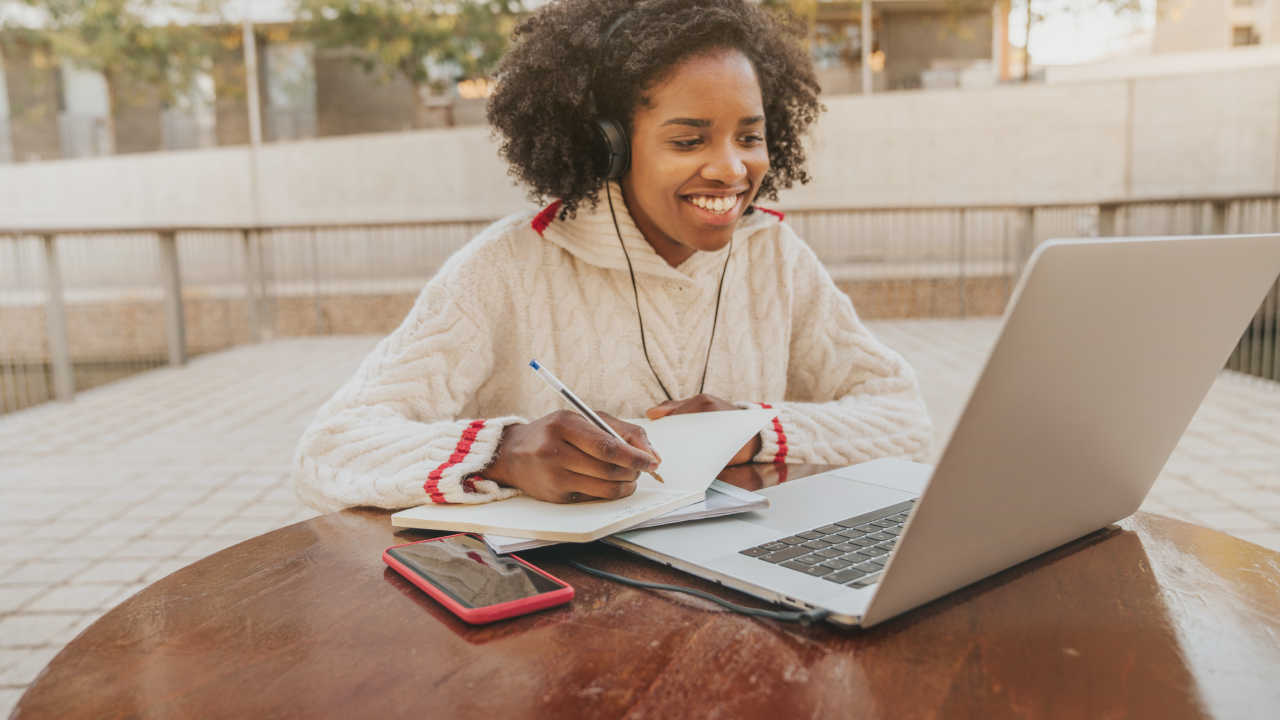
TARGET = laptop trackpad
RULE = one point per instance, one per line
(819, 500)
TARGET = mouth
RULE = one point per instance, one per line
(715, 204)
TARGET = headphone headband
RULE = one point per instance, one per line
(613, 26)
(615, 153)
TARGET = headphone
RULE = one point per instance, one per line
(615, 160)
(615, 146)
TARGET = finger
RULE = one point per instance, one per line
(661, 411)
(700, 404)
(573, 459)
(633, 434)
(571, 487)
(580, 433)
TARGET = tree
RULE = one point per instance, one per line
(430, 44)
(137, 45)
(1039, 10)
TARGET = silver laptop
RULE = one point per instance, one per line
(1106, 351)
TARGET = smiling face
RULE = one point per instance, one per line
(698, 155)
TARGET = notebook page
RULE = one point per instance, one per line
(697, 446)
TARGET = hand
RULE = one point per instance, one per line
(563, 458)
(706, 403)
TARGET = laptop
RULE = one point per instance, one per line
(1105, 353)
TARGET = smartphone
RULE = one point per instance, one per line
(479, 586)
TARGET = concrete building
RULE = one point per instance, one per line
(1186, 25)
(915, 44)
(62, 112)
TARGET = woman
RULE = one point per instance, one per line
(663, 291)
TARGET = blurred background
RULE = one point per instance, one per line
(184, 176)
(270, 183)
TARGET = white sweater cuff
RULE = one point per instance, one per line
(773, 447)
(457, 480)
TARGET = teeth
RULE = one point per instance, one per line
(718, 205)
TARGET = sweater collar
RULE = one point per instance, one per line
(590, 236)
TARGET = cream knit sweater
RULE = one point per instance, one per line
(424, 414)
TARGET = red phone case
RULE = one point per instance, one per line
(481, 615)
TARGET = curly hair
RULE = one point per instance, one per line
(542, 104)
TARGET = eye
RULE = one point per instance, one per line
(687, 143)
(754, 138)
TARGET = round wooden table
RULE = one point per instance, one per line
(1151, 618)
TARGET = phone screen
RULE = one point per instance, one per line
(469, 572)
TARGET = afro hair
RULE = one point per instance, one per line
(542, 106)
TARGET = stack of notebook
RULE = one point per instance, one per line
(694, 448)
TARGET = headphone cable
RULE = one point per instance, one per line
(806, 617)
(715, 320)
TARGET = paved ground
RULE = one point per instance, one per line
(136, 479)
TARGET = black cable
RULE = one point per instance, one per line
(715, 320)
(806, 618)
(643, 345)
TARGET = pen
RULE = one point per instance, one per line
(581, 407)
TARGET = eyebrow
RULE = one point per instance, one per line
(700, 123)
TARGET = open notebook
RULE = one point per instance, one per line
(722, 499)
(694, 448)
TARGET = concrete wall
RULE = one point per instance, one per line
(1193, 25)
(1205, 135)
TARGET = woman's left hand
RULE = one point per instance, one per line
(706, 403)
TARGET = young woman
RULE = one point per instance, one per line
(666, 290)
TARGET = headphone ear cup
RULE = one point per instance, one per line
(615, 153)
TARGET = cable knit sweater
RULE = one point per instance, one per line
(424, 414)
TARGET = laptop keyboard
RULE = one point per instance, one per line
(850, 552)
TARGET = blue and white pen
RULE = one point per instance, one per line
(580, 406)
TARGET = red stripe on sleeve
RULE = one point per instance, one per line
(781, 455)
(432, 486)
(546, 217)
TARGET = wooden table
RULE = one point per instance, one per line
(1153, 618)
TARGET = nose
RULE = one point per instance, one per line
(725, 164)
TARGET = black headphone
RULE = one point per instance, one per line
(615, 146)
(615, 160)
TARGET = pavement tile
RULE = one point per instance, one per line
(44, 572)
(122, 529)
(163, 570)
(151, 549)
(9, 698)
(204, 548)
(116, 571)
(84, 549)
(74, 598)
(29, 630)
(1231, 520)
(28, 667)
(124, 593)
(1269, 539)
(13, 597)
(69, 633)
(1267, 498)
(58, 531)
(11, 656)
(25, 548)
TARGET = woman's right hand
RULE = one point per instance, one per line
(563, 458)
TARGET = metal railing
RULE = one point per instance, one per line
(80, 308)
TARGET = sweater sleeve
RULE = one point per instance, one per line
(849, 398)
(395, 436)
